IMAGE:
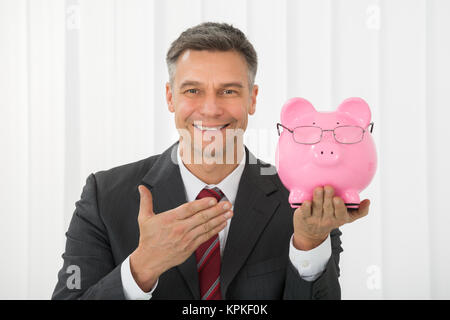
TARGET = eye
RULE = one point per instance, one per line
(228, 91)
(191, 91)
(337, 122)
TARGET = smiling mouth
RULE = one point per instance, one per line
(210, 128)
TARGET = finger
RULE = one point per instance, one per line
(208, 235)
(209, 225)
(204, 216)
(188, 209)
(317, 204)
(362, 211)
(305, 209)
(340, 210)
(145, 204)
(328, 207)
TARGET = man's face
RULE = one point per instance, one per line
(210, 97)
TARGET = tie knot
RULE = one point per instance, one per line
(214, 192)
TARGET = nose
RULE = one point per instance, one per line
(210, 107)
(326, 154)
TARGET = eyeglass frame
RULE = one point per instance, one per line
(322, 130)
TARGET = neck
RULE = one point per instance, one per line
(207, 169)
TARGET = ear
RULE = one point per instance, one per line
(358, 109)
(169, 97)
(252, 108)
(293, 109)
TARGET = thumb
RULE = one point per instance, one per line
(146, 203)
(362, 211)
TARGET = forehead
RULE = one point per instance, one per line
(326, 119)
(206, 66)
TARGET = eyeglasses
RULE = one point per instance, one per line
(313, 134)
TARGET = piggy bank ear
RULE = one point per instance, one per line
(357, 109)
(294, 109)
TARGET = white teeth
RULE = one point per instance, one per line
(209, 128)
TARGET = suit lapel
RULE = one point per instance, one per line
(253, 209)
(165, 183)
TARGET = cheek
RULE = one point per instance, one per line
(183, 111)
(239, 113)
(243, 118)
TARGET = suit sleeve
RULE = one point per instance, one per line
(326, 286)
(88, 270)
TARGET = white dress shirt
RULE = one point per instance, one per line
(310, 264)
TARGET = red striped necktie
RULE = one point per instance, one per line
(208, 258)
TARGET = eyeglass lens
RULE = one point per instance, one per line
(343, 134)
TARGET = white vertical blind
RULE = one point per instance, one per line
(14, 144)
(403, 140)
(438, 155)
(46, 154)
(82, 89)
(355, 33)
(308, 51)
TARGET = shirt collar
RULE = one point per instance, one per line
(229, 185)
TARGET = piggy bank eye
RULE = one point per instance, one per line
(314, 123)
(337, 122)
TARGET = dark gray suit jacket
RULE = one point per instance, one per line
(255, 263)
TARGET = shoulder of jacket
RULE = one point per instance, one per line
(131, 172)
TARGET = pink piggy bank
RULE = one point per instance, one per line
(325, 148)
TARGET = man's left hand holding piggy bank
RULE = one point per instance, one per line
(313, 221)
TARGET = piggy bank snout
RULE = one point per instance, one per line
(326, 154)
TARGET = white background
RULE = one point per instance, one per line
(82, 90)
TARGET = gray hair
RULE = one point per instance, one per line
(213, 36)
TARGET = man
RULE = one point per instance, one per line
(203, 220)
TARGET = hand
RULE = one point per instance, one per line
(314, 221)
(169, 238)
